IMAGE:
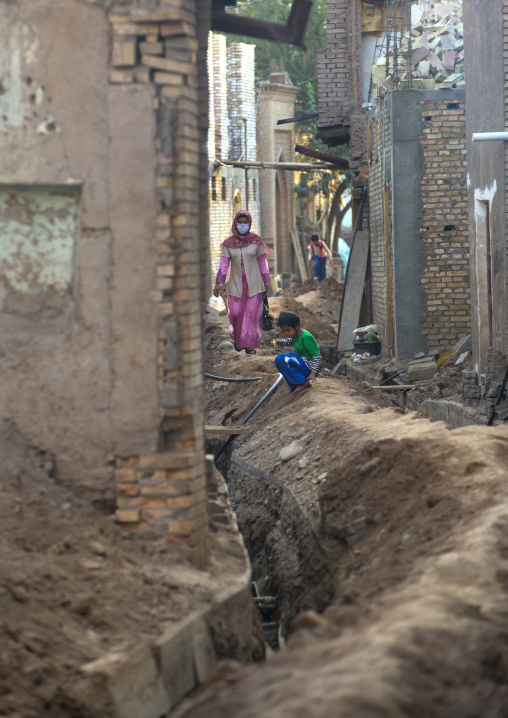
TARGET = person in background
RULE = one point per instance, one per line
(319, 253)
(299, 368)
(249, 278)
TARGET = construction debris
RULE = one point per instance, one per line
(432, 56)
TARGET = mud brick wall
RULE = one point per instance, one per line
(445, 223)
(163, 494)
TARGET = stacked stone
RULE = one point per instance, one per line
(494, 373)
(471, 392)
(164, 494)
(242, 102)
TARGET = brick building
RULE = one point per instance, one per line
(276, 144)
(231, 136)
(103, 177)
(104, 199)
(410, 150)
(418, 220)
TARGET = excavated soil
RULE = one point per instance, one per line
(74, 585)
(386, 543)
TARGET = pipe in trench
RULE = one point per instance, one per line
(270, 391)
(225, 378)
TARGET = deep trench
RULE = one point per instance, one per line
(291, 570)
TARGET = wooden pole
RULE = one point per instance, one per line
(324, 156)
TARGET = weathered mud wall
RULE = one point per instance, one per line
(67, 217)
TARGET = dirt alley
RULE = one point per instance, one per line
(410, 518)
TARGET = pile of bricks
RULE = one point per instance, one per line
(471, 391)
(434, 52)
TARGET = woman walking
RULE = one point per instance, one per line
(246, 252)
(319, 252)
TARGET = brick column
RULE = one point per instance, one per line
(163, 494)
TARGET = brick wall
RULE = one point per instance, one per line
(241, 105)
(445, 223)
(379, 174)
(334, 67)
(217, 74)
(443, 226)
(163, 494)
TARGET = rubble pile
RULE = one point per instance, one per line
(435, 52)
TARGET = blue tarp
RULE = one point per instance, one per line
(344, 252)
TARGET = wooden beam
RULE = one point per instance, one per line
(402, 387)
(210, 429)
(290, 166)
(291, 33)
(323, 156)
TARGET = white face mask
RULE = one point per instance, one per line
(243, 228)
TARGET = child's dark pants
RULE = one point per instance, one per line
(292, 367)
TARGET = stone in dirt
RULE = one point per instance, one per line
(290, 451)
(420, 370)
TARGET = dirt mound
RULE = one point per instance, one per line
(413, 517)
(322, 299)
(73, 585)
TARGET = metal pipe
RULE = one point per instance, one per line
(484, 136)
(225, 378)
(251, 412)
(385, 382)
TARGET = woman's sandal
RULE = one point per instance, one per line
(250, 351)
(238, 350)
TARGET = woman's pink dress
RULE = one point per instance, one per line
(246, 313)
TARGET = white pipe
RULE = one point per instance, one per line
(481, 136)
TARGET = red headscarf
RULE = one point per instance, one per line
(242, 240)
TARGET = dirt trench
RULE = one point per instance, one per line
(384, 541)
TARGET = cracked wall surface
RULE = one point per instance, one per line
(103, 182)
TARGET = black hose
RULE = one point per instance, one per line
(225, 378)
(251, 412)
(364, 194)
(393, 376)
(500, 396)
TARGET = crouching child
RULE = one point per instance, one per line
(300, 366)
